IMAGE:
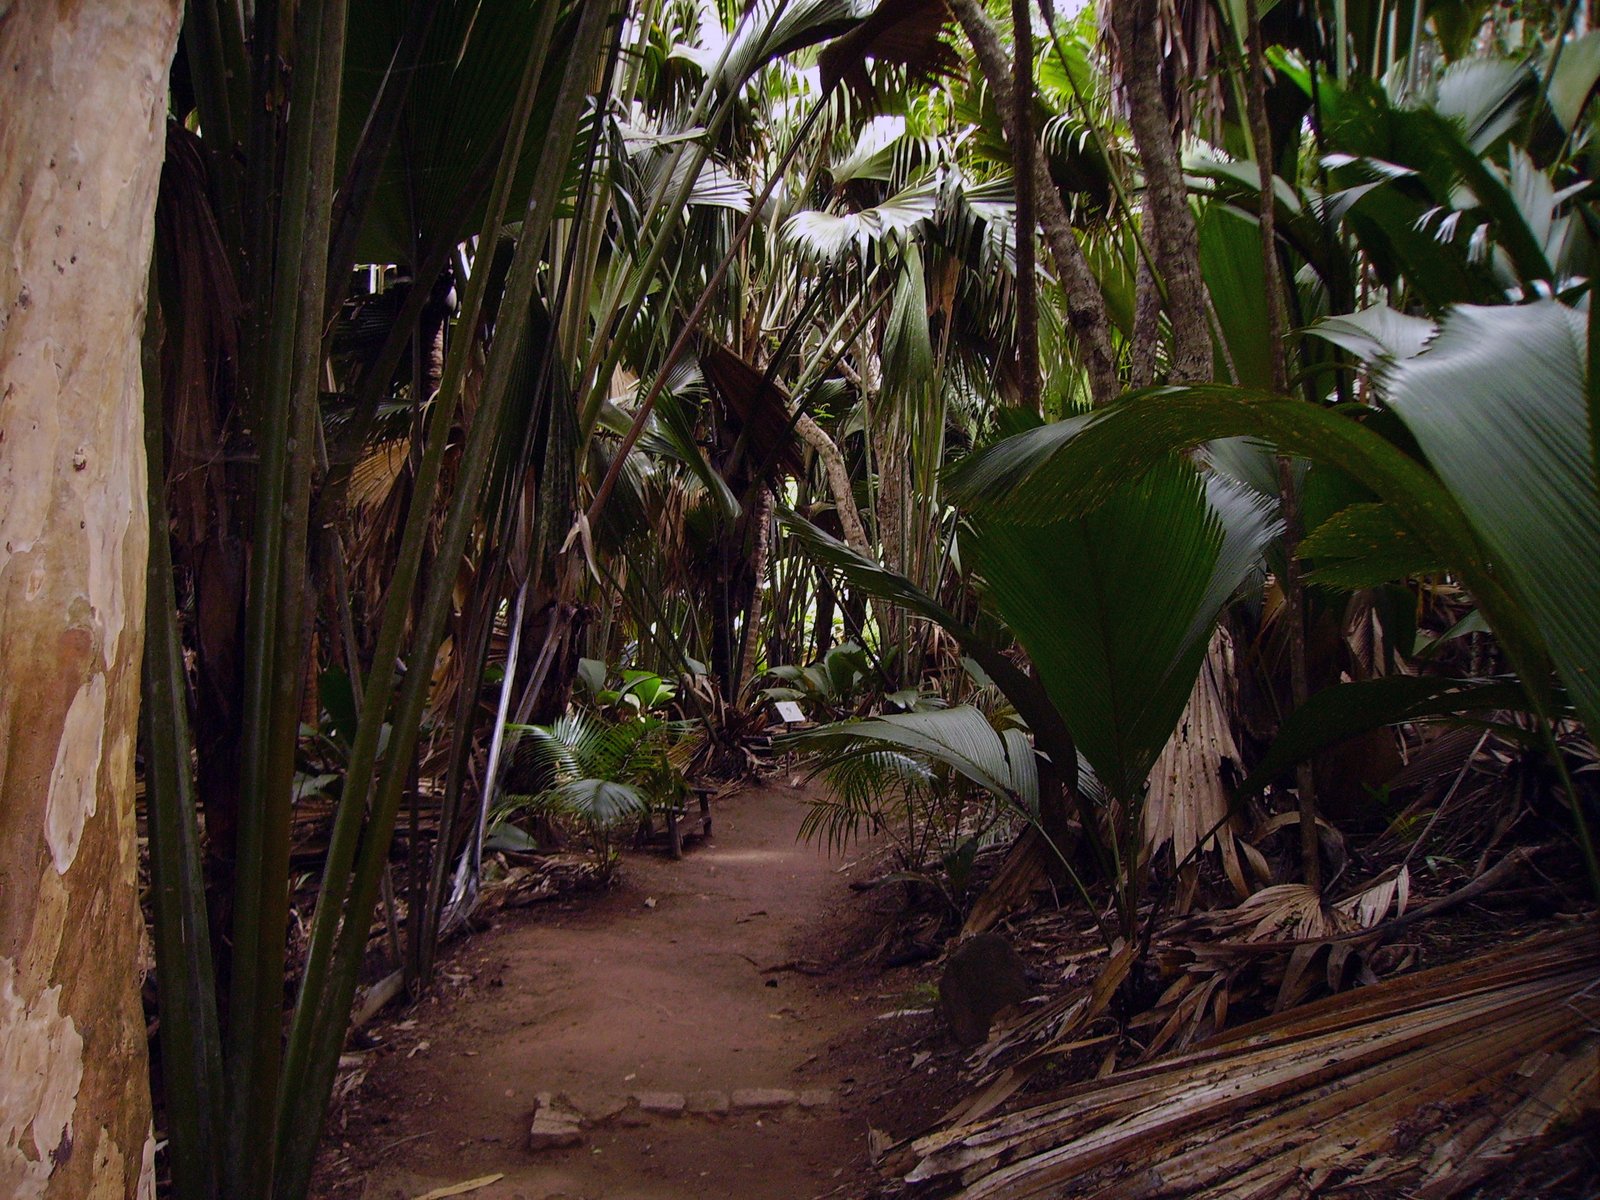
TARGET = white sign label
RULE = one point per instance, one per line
(788, 711)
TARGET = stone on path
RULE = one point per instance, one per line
(708, 1104)
(599, 1110)
(761, 1099)
(661, 1104)
(556, 1124)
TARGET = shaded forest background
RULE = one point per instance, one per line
(1154, 445)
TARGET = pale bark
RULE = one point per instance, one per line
(81, 142)
(1086, 307)
(838, 475)
(758, 568)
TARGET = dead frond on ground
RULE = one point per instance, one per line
(1435, 1079)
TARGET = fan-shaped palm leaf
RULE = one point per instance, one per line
(1499, 405)
(960, 738)
(1377, 333)
(1115, 607)
(583, 763)
(1070, 467)
(831, 237)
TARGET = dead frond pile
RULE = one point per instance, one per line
(1438, 1078)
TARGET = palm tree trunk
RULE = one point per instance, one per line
(1086, 307)
(1294, 592)
(758, 570)
(1022, 156)
(822, 637)
(81, 146)
(1146, 327)
(838, 473)
(1140, 31)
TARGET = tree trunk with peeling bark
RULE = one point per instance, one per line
(1086, 307)
(1175, 242)
(762, 537)
(81, 144)
(838, 473)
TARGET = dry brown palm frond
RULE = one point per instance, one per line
(754, 406)
(200, 314)
(1219, 961)
(1187, 804)
(909, 34)
(1214, 962)
(1026, 867)
(1031, 1039)
(1437, 1076)
(373, 478)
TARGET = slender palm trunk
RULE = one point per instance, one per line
(1294, 592)
(762, 518)
(1174, 240)
(81, 145)
(1085, 304)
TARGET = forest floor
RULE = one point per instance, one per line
(737, 984)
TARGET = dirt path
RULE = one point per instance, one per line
(658, 993)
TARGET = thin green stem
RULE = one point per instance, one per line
(191, 1043)
(261, 899)
(380, 682)
(321, 1014)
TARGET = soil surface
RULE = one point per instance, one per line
(742, 969)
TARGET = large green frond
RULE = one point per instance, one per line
(1498, 404)
(1346, 709)
(1115, 606)
(832, 237)
(1377, 333)
(1070, 467)
(961, 738)
(873, 579)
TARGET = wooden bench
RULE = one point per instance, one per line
(678, 817)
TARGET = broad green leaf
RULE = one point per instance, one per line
(1575, 78)
(592, 673)
(1426, 646)
(1483, 98)
(714, 186)
(831, 237)
(433, 187)
(775, 27)
(1230, 260)
(907, 345)
(339, 702)
(873, 579)
(603, 801)
(1377, 333)
(872, 153)
(1344, 710)
(1499, 406)
(961, 738)
(1070, 467)
(1364, 545)
(1115, 607)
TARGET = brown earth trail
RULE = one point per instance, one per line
(663, 992)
